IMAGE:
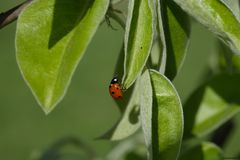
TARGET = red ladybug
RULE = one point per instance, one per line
(115, 89)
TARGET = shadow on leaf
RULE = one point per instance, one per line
(168, 8)
(66, 16)
(134, 114)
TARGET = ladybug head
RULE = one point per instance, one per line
(114, 80)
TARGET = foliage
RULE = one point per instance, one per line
(53, 35)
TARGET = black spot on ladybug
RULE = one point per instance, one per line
(119, 96)
(117, 88)
(113, 92)
(109, 86)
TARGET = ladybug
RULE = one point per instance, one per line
(115, 89)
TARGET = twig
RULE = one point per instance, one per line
(12, 14)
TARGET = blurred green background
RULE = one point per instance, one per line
(87, 110)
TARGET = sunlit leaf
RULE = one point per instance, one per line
(234, 6)
(211, 105)
(155, 57)
(138, 39)
(217, 18)
(174, 32)
(146, 108)
(161, 116)
(51, 37)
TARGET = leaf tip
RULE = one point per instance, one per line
(47, 104)
(47, 108)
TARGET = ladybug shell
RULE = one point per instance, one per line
(115, 90)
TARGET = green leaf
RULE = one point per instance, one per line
(212, 105)
(146, 108)
(59, 150)
(129, 149)
(156, 56)
(51, 37)
(129, 122)
(217, 18)
(227, 60)
(161, 116)
(203, 151)
(234, 6)
(229, 147)
(174, 32)
(138, 39)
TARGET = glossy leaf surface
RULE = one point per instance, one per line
(162, 120)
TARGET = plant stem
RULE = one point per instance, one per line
(12, 14)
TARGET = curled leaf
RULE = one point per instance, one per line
(138, 39)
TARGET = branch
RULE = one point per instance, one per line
(12, 14)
